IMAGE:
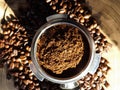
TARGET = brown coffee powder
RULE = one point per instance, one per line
(60, 48)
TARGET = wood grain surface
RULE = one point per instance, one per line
(108, 12)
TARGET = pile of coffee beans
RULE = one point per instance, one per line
(98, 80)
(17, 55)
(15, 42)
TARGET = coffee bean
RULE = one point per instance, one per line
(9, 75)
(82, 20)
(22, 77)
(16, 74)
(61, 11)
(6, 37)
(28, 48)
(22, 86)
(37, 88)
(72, 15)
(31, 87)
(12, 65)
(10, 24)
(106, 84)
(87, 17)
(21, 68)
(48, 1)
(23, 57)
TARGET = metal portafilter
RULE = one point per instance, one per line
(89, 62)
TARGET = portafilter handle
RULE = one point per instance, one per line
(70, 86)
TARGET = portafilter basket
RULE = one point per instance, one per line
(89, 63)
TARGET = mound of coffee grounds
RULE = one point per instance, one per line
(60, 48)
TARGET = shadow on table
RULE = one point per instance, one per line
(31, 13)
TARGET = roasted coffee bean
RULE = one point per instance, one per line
(102, 88)
(10, 24)
(106, 84)
(23, 57)
(6, 32)
(27, 54)
(36, 84)
(37, 88)
(15, 74)
(6, 37)
(8, 75)
(16, 79)
(62, 11)
(26, 82)
(23, 87)
(87, 16)
(21, 68)
(12, 66)
(48, 1)
(31, 87)
(28, 48)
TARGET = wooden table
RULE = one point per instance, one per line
(108, 11)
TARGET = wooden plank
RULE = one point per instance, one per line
(108, 12)
(4, 83)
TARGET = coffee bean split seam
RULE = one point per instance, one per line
(15, 49)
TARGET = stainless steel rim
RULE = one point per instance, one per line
(34, 44)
